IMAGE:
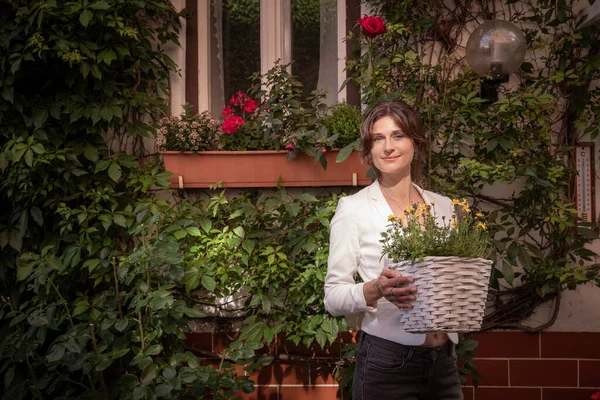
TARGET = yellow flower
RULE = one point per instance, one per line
(433, 203)
(453, 224)
(422, 208)
(454, 202)
(482, 226)
(393, 218)
(409, 209)
(479, 215)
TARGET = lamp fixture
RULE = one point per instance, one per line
(495, 49)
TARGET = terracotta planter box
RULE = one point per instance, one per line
(243, 169)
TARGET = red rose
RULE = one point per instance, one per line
(232, 124)
(596, 396)
(372, 26)
(227, 111)
(249, 105)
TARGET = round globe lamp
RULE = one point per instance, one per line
(495, 50)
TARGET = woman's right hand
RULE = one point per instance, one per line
(387, 285)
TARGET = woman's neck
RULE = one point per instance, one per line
(400, 189)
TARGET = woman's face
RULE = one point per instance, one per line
(392, 151)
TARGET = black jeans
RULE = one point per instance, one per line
(387, 370)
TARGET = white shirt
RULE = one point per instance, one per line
(355, 246)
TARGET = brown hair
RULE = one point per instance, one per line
(406, 118)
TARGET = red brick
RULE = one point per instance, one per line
(568, 394)
(201, 341)
(309, 393)
(260, 393)
(589, 373)
(507, 345)
(282, 374)
(508, 393)
(494, 372)
(571, 345)
(551, 373)
(222, 340)
(468, 393)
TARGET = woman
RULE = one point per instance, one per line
(391, 363)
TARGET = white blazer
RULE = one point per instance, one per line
(355, 246)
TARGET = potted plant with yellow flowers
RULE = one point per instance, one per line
(448, 264)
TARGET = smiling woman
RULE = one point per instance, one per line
(390, 361)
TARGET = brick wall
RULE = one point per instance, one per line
(515, 366)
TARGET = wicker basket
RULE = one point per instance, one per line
(451, 296)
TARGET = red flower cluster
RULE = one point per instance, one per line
(232, 123)
(372, 26)
(596, 396)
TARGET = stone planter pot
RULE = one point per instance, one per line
(451, 294)
(246, 169)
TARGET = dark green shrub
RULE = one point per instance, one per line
(344, 121)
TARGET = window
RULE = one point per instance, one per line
(229, 40)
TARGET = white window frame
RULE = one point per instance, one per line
(275, 32)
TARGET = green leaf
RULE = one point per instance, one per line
(344, 153)
(100, 5)
(106, 112)
(120, 220)
(56, 353)
(508, 272)
(91, 153)
(153, 350)
(29, 157)
(208, 282)
(192, 230)
(39, 117)
(119, 353)
(162, 390)
(85, 17)
(239, 231)
(114, 171)
(3, 161)
(180, 234)
(148, 374)
(588, 233)
(129, 381)
(121, 324)
(169, 373)
(205, 224)
(139, 392)
(194, 313)
(248, 245)
(24, 270)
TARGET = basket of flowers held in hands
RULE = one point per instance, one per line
(448, 263)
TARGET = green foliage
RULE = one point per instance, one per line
(89, 306)
(417, 235)
(270, 253)
(514, 141)
(344, 121)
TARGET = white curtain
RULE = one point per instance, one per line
(328, 55)
(217, 77)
